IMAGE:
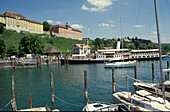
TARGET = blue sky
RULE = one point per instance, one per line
(101, 17)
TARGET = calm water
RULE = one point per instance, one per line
(69, 84)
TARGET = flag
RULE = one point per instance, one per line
(30, 102)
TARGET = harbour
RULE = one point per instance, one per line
(69, 84)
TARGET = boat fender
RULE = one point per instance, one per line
(129, 106)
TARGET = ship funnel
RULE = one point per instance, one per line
(118, 44)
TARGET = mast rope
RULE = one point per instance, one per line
(67, 102)
(6, 105)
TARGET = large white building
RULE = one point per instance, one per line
(81, 50)
(19, 23)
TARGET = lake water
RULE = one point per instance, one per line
(69, 84)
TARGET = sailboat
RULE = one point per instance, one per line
(155, 88)
(121, 64)
(100, 106)
(143, 99)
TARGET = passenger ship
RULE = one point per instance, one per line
(108, 54)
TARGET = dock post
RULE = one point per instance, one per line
(52, 90)
(40, 61)
(135, 71)
(15, 63)
(85, 82)
(13, 94)
(153, 74)
(113, 80)
(11, 63)
(67, 61)
(168, 68)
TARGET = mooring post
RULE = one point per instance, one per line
(85, 82)
(135, 71)
(168, 68)
(37, 61)
(11, 63)
(67, 61)
(15, 63)
(113, 80)
(52, 90)
(153, 73)
(40, 61)
(13, 94)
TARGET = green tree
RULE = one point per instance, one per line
(2, 47)
(31, 44)
(12, 50)
(46, 26)
(1, 28)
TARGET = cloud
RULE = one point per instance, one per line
(97, 5)
(106, 25)
(139, 26)
(77, 26)
(50, 21)
(58, 22)
(84, 7)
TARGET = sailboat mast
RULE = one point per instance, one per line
(121, 36)
(160, 51)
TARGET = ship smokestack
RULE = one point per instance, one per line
(118, 43)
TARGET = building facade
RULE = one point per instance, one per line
(67, 31)
(81, 49)
(19, 23)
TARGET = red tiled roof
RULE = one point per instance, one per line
(32, 21)
(13, 14)
(64, 26)
(1, 15)
(81, 45)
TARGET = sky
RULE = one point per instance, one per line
(99, 18)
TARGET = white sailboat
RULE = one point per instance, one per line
(145, 100)
(142, 99)
(155, 88)
(121, 64)
(100, 106)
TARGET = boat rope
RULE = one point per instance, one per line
(67, 102)
(90, 93)
(99, 84)
(120, 86)
(5, 105)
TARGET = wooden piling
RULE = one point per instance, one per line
(85, 82)
(153, 73)
(40, 62)
(13, 94)
(113, 80)
(168, 68)
(11, 63)
(15, 63)
(67, 61)
(135, 71)
(52, 90)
